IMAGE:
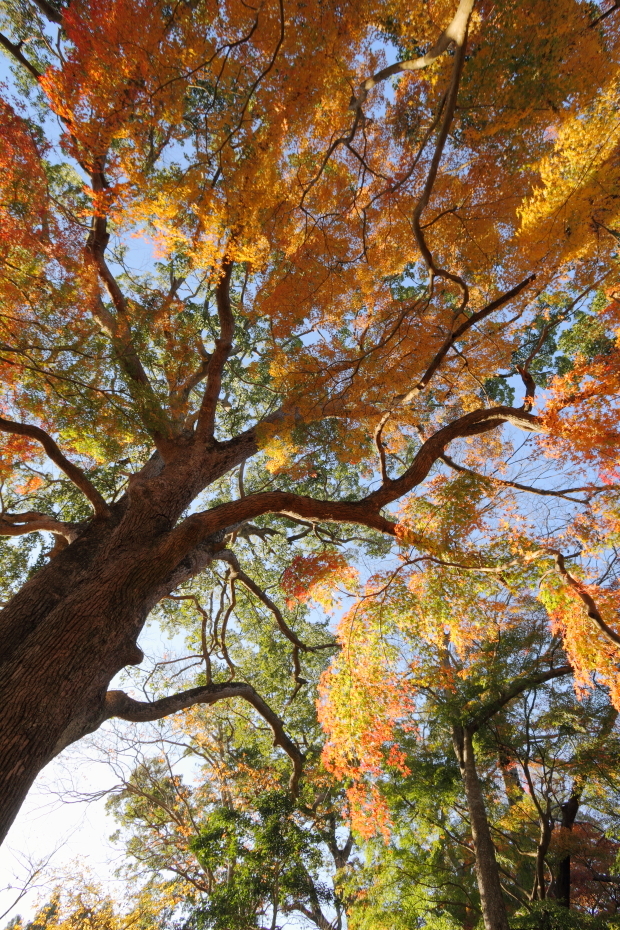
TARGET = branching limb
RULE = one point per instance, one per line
(478, 421)
(586, 598)
(181, 394)
(366, 512)
(459, 332)
(118, 704)
(18, 524)
(223, 345)
(75, 474)
(454, 32)
(518, 686)
(530, 387)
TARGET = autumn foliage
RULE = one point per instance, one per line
(341, 277)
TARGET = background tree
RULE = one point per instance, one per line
(499, 702)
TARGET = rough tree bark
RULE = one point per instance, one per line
(494, 911)
(74, 625)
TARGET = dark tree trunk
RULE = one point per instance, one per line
(562, 881)
(487, 873)
(74, 625)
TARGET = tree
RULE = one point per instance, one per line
(341, 279)
(231, 849)
(469, 751)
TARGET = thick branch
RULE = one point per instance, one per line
(478, 421)
(18, 524)
(223, 346)
(119, 704)
(49, 12)
(76, 474)
(455, 32)
(366, 512)
(16, 53)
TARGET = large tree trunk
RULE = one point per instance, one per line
(487, 873)
(74, 625)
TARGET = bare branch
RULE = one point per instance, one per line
(380, 447)
(454, 32)
(223, 345)
(72, 471)
(599, 19)
(16, 53)
(530, 387)
(18, 524)
(119, 704)
(459, 332)
(493, 479)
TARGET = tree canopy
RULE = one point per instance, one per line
(299, 302)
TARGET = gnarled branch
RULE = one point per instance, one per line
(223, 345)
(454, 32)
(18, 524)
(75, 474)
(118, 704)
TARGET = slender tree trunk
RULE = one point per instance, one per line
(562, 881)
(487, 873)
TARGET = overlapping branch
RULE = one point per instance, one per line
(223, 345)
(49, 12)
(227, 555)
(365, 512)
(75, 474)
(118, 704)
